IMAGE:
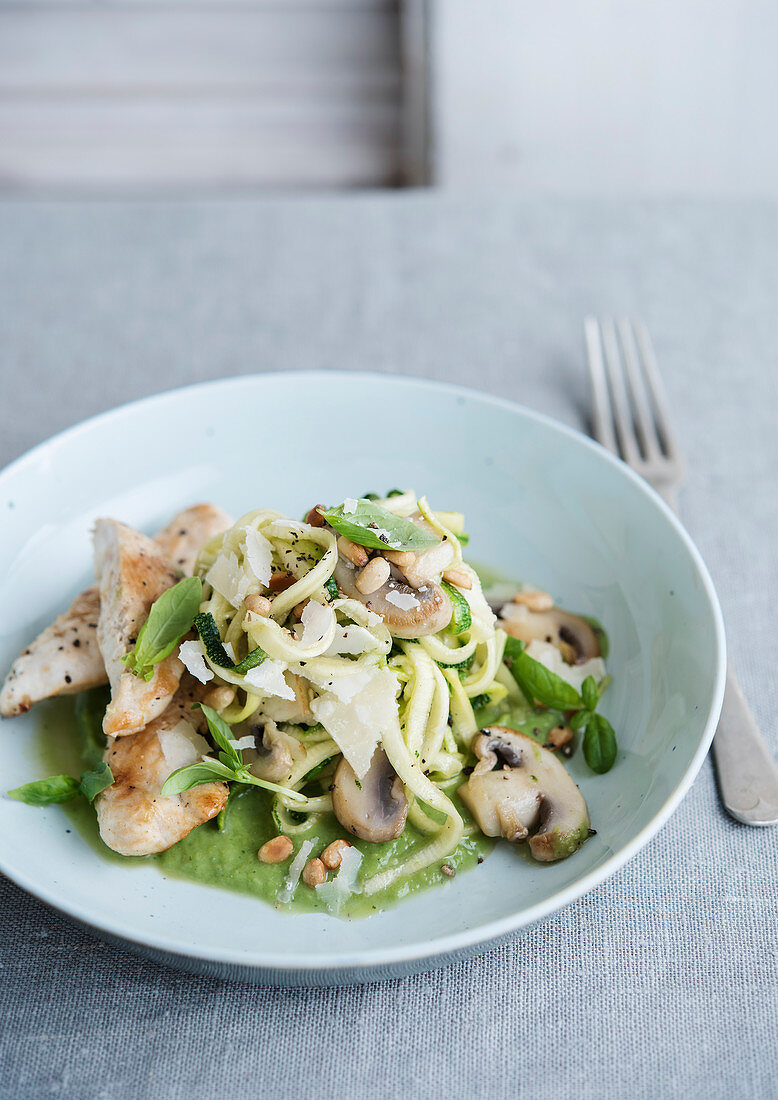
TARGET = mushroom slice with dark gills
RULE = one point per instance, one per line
(407, 612)
(274, 753)
(520, 791)
(374, 807)
(569, 633)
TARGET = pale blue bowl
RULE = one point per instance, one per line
(543, 503)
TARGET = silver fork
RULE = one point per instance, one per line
(631, 418)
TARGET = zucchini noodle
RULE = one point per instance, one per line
(331, 680)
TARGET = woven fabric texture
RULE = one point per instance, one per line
(663, 982)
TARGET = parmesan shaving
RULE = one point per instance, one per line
(316, 620)
(286, 893)
(373, 619)
(182, 746)
(357, 724)
(404, 600)
(344, 884)
(268, 678)
(349, 506)
(192, 655)
(351, 640)
(241, 743)
(228, 579)
(259, 555)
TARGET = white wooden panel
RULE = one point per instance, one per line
(110, 47)
(131, 95)
(607, 97)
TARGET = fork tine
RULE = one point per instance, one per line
(602, 417)
(622, 414)
(644, 416)
(657, 391)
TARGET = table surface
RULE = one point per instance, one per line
(664, 980)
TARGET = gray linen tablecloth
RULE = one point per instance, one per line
(663, 982)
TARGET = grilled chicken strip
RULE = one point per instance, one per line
(132, 572)
(134, 819)
(62, 660)
(65, 658)
(187, 532)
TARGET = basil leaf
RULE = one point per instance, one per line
(207, 771)
(372, 526)
(94, 782)
(513, 649)
(44, 792)
(579, 720)
(591, 695)
(170, 618)
(599, 746)
(222, 735)
(546, 687)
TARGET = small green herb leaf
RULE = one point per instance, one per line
(599, 746)
(331, 587)
(207, 771)
(170, 618)
(591, 695)
(222, 736)
(96, 781)
(579, 720)
(538, 683)
(372, 526)
(44, 792)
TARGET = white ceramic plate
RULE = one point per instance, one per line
(542, 503)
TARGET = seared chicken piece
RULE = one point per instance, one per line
(133, 572)
(65, 658)
(181, 540)
(134, 819)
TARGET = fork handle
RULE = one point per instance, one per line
(746, 772)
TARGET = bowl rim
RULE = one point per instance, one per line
(481, 936)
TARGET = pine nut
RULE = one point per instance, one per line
(260, 605)
(403, 559)
(373, 576)
(276, 850)
(458, 577)
(333, 854)
(534, 601)
(356, 554)
(314, 873)
(219, 698)
(559, 736)
(314, 517)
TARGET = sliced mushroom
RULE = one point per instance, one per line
(275, 752)
(569, 633)
(407, 612)
(374, 807)
(518, 788)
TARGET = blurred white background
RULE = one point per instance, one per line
(566, 97)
